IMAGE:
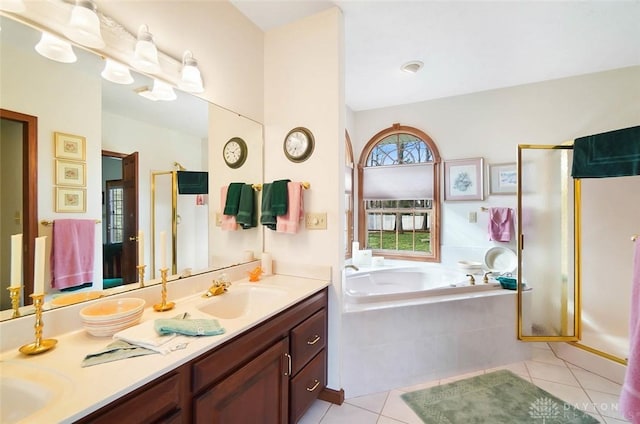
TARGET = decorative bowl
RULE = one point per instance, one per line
(106, 318)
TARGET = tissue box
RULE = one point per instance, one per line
(362, 258)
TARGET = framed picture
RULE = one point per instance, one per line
(463, 179)
(503, 178)
(68, 146)
(71, 199)
(70, 173)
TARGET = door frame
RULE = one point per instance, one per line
(29, 194)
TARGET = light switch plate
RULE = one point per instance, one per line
(218, 219)
(473, 217)
(315, 221)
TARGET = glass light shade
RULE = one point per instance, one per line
(56, 49)
(190, 78)
(84, 25)
(145, 57)
(161, 91)
(14, 6)
(116, 72)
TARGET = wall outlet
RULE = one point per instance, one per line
(473, 217)
(218, 219)
(315, 221)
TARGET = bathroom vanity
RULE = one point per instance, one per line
(269, 365)
(273, 371)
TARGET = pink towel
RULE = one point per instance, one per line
(500, 224)
(630, 395)
(228, 221)
(72, 251)
(290, 222)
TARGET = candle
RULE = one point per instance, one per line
(140, 248)
(16, 260)
(38, 280)
(267, 263)
(163, 249)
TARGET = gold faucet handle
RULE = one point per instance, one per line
(485, 279)
(472, 280)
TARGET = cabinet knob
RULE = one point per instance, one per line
(315, 386)
(315, 340)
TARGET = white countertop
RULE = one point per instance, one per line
(92, 387)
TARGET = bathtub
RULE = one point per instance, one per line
(388, 284)
(409, 324)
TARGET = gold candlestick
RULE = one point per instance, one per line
(40, 345)
(164, 306)
(141, 274)
(14, 294)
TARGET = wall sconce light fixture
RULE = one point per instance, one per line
(55, 48)
(190, 78)
(84, 25)
(116, 72)
(145, 57)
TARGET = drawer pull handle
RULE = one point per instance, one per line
(288, 372)
(315, 340)
(315, 386)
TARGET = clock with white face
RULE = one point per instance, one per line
(234, 152)
(298, 144)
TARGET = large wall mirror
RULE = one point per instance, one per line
(120, 126)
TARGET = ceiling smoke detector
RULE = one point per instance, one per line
(412, 67)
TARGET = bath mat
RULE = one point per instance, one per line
(500, 397)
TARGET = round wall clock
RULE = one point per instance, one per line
(234, 152)
(298, 144)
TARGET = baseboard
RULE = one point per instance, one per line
(332, 396)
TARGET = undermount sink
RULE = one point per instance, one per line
(27, 389)
(240, 301)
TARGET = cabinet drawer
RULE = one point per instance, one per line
(307, 339)
(307, 385)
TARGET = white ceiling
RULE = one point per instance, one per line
(467, 46)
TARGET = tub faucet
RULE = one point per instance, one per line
(485, 279)
(472, 280)
(353, 267)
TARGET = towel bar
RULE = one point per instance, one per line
(635, 237)
(47, 222)
(305, 185)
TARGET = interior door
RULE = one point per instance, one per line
(548, 245)
(130, 222)
(28, 219)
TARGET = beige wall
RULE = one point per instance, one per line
(304, 86)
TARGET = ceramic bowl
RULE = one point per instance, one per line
(106, 318)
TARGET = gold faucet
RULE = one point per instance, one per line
(218, 287)
(485, 279)
(353, 267)
(472, 280)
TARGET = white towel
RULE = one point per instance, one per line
(145, 335)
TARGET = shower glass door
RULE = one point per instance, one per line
(548, 244)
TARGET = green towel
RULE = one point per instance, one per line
(115, 351)
(267, 217)
(611, 154)
(246, 216)
(188, 327)
(232, 201)
(279, 197)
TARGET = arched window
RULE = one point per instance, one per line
(348, 195)
(399, 196)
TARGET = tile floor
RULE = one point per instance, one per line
(583, 389)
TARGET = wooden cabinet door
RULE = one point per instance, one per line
(257, 392)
